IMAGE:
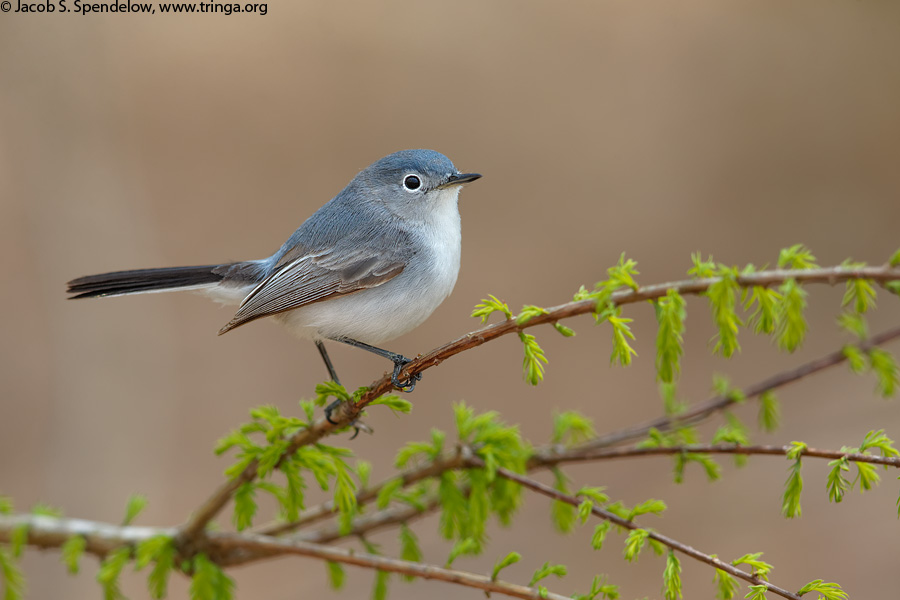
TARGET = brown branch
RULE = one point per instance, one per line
(592, 454)
(102, 538)
(362, 526)
(548, 491)
(831, 275)
(367, 524)
(274, 547)
(347, 412)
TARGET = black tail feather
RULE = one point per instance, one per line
(143, 280)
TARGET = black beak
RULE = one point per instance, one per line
(459, 179)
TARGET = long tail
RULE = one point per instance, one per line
(146, 280)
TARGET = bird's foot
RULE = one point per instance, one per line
(410, 385)
(356, 424)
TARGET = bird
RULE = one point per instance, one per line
(368, 266)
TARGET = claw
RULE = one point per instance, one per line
(330, 409)
(410, 384)
(360, 426)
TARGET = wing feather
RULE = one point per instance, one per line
(313, 278)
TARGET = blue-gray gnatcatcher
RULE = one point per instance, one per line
(370, 265)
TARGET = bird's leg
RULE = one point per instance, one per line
(399, 361)
(357, 426)
(331, 372)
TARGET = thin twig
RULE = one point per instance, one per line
(274, 547)
(717, 403)
(362, 526)
(546, 490)
(367, 524)
(592, 454)
(347, 412)
(326, 509)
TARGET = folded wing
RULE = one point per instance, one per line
(305, 278)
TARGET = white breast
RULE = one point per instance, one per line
(444, 236)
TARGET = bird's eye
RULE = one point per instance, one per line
(411, 182)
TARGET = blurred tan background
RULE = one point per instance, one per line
(657, 128)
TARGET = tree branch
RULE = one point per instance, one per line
(617, 520)
(102, 538)
(701, 411)
(274, 547)
(552, 455)
(347, 412)
(830, 275)
(592, 454)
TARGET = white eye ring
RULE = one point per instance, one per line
(412, 182)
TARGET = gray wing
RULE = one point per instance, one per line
(299, 280)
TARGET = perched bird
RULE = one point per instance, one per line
(368, 266)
